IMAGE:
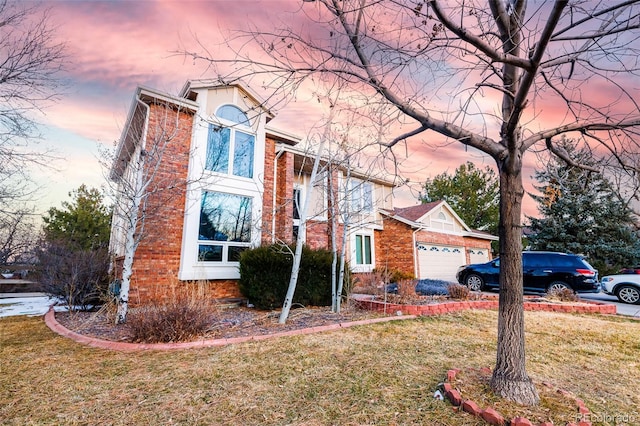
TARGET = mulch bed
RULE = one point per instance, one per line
(228, 322)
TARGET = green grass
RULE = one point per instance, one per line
(382, 374)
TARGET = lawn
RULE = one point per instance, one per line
(382, 374)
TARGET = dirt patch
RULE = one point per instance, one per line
(228, 322)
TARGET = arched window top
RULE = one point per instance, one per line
(234, 114)
(442, 216)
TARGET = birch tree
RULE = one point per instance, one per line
(142, 181)
(502, 80)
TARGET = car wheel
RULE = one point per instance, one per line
(474, 282)
(558, 286)
(628, 294)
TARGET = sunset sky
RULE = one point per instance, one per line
(114, 46)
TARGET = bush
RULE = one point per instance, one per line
(458, 291)
(563, 294)
(265, 273)
(407, 288)
(431, 287)
(77, 276)
(183, 316)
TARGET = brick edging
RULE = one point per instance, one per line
(493, 417)
(586, 307)
(56, 327)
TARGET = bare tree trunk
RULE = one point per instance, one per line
(297, 257)
(510, 379)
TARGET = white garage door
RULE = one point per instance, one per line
(478, 255)
(439, 262)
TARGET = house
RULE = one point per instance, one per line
(431, 241)
(212, 177)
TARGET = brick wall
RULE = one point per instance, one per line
(394, 246)
(284, 195)
(267, 198)
(157, 259)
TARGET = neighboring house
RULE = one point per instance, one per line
(225, 180)
(430, 241)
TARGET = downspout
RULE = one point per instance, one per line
(273, 196)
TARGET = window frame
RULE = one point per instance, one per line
(220, 124)
(357, 247)
(226, 245)
(360, 196)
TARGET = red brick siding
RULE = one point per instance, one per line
(157, 258)
(268, 194)
(284, 194)
(394, 247)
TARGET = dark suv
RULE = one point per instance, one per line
(542, 271)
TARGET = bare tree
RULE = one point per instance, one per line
(144, 178)
(17, 236)
(29, 63)
(503, 80)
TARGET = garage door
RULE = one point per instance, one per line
(439, 262)
(478, 255)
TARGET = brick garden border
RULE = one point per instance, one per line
(55, 326)
(493, 417)
(400, 311)
(583, 307)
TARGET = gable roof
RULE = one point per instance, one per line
(190, 85)
(414, 215)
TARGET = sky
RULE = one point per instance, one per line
(115, 46)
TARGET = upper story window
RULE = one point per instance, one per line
(361, 196)
(230, 150)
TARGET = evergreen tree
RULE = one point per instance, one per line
(581, 213)
(473, 193)
(83, 223)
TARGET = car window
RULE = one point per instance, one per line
(565, 261)
(535, 260)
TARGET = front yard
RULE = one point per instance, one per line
(376, 374)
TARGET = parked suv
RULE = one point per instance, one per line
(542, 271)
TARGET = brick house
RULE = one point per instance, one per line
(430, 241)
(220, 178)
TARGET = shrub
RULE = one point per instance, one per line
(396, 275)
(370, 282)
(265, 273)
(77, 276)
(407, 288)
(563, 294)
(458, 291)
(183, 315)
(431, 287)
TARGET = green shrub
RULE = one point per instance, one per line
(265, 273)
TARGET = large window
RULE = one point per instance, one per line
(361, 196)
(230, 150)
(225, 227)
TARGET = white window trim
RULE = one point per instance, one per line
(233, 127)
(205, 180)
(352, 261)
